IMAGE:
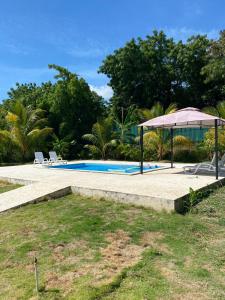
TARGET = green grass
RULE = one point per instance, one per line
(177, 256)
(5, 186)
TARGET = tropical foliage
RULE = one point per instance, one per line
(124, 124)
(209, 141)
(218, 110)
(214, 70)
(101, 139)
(61, 146)
(159, 69)
(26, 130)
(147, 77)
(156, 141)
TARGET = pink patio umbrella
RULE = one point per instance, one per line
(187, 117)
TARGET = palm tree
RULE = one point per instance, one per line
(153, 144)
(156, 137)
(26, 128)
(101, 138)
(123, 126)
(218, 111)
(181, 142)
(209, 140)
(157, 110)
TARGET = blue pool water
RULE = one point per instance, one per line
(106, 167)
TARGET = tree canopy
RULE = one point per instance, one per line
(149, 76)
(71, 107)
(158, 69)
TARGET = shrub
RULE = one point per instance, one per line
(209, 141)
(127, 152)
(190, 155)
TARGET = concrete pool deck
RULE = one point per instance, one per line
(160, 189)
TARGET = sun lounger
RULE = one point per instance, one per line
(40, 160)
(206, 166)
(54, 158)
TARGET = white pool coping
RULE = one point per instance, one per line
(162, 189)
(62, 167)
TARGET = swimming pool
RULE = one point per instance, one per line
(107, 167)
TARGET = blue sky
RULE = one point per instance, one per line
(78, 34)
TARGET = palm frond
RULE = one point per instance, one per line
(40, 123)
(11, 117)
(171, 109)
(221, 109)
(89, 137)
(94, 150)
(211, 111)
(181, 140)
(37, 134)
(101, 136)
(5, 135)
(146, 114)
(157, 110)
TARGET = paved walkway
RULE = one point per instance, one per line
(160, 189)
(32, 193)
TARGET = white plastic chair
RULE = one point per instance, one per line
(54, 158)
(40, 160)
(206, 166)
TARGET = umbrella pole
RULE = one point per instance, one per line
(171, 147)
(216, 148)
(142, 149)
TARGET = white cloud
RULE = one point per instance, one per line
(87, 49)
(184, 33)
(83, 53)
(104, 90)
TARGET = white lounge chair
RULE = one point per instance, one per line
(206, 166)
(40, 160)
(54, 158)
(222, 162)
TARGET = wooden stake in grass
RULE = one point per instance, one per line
(36, 274)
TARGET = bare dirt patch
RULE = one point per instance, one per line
(71, 253)
(153, 240)
(188, 290)
(4, 183)
(63, 282)
(120, 253)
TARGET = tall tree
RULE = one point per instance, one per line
(140, 73)
(157, 68)
(192, 57)
(73, 107)
(215, 69)
(30, 94)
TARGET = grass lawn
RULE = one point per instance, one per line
(5, 186)
(94, 249)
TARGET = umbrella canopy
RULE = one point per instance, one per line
(187, 117)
